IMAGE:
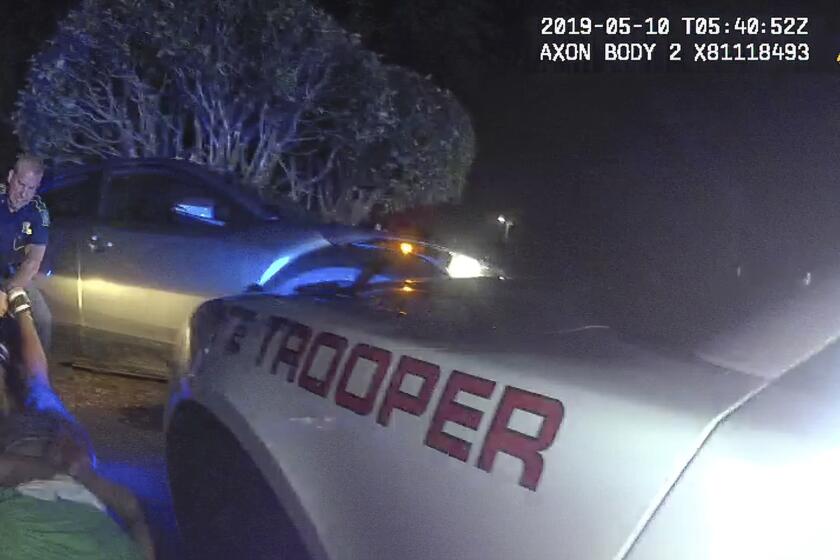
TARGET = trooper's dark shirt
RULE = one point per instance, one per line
(28, 226)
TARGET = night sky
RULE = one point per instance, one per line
(660, 171)
(657, 185)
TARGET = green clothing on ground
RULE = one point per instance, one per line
(33, 529)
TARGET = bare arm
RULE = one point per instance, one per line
(124, 503)
(28, 268)
(33, 360)
(69, 456)
(32, 355)
(15, 470)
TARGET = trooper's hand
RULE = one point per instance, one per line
(4, 303)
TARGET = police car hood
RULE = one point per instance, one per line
(632, 419)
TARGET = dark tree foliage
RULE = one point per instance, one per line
(276, 93)
(441, 38)
(23, 26)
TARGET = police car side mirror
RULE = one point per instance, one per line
(200, 210)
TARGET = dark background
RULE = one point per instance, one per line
(654, 182)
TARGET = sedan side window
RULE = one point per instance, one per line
(150, 199)
(72, 197)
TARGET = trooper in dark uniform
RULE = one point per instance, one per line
(24, 233)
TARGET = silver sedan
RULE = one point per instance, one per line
(137, 245)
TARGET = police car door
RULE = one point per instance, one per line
(166, 244)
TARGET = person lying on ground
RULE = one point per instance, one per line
(53, 503)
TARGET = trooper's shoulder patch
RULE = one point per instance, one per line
(3, 188)
(42, 211)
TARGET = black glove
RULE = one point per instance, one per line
(18, 301)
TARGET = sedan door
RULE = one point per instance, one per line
(73, 203)
(166, 244)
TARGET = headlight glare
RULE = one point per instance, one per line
(462, 266)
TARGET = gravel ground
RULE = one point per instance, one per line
(125, 419)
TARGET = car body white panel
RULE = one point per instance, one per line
(766, 484)
(632, 421)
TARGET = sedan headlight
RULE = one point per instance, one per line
(463, 266)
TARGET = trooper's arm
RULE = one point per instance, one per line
(28, 268)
